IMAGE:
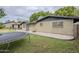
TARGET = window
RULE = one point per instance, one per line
(41, 24)
(60, 24)
(57, 24)
(54, 24)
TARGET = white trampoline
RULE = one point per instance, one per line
(10, 37)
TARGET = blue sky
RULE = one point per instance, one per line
(24, 12)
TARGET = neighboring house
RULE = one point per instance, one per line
(64, 25)
(17, 25)
(9, 24)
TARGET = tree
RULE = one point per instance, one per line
(77, 13)
(1, 26)
(66, 11)
(35, 16)
(2, 13)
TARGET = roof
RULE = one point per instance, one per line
(16, 23)
(60, 17)
(24, 23)
(76, 23)
(9, 22)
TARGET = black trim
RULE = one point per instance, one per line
(60, 17)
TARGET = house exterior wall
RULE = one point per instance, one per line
(11, 25)
(24, 26)
(16, 26)
(8, 25)
(32, 27)
(67, 28)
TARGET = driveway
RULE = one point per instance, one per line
(11, 36)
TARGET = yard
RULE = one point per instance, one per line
(40, 44)
(6, 30)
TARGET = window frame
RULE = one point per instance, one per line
(57, 24)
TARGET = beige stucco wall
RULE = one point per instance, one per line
(8, 25)
(24, 26)
(32, 27)
(16, 26)
(67, 28)
(47, 27)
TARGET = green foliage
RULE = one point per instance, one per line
(1, 26)
(35, 16)
(66, 11)
(2, 13)
(77, 12)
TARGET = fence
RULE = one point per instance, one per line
(76, 31)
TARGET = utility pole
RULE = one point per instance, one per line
(29, 36)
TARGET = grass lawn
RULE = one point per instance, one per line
(41, 44)
(6, 30)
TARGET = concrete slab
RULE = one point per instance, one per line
(58, 36)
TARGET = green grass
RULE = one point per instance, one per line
(6, 30)
(0, 34)
(41, 44)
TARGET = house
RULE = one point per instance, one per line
(24, 26)
(64, 25)
(12, 25)
(9, 24)
(16, 25)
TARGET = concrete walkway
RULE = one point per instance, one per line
(21, 31)
(64, 37)
(58, 36)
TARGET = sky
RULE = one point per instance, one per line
(24, 12)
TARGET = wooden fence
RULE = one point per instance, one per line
(76, 31)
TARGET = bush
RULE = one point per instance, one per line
(1, 26)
